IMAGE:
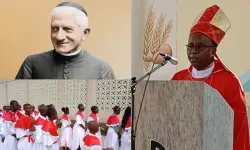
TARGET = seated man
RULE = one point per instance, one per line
(69, 27)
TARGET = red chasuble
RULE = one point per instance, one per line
(227, 84)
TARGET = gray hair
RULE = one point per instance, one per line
(81, 17)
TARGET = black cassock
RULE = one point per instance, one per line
(52, 65)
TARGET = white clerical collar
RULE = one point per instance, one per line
(202, 73)
(72, 54)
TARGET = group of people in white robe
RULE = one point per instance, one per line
(29, 129)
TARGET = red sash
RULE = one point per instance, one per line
(30, 138)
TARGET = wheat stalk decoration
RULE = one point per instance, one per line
(164, 35)
(154, 37)
(148, 34)
(157, 34)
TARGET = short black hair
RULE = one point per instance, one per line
(50, 106)
(79, 106)
(26, 105)
(51, 112)
(116, 108)
(64, 109)
(93, 108)
(42, 106)
(13, 102)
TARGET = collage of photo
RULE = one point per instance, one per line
(125, 75)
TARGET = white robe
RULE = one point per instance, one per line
(92, 148)
(1, 122)
(50, 142)
(126, 140)
(1, 144)
(10, 142)
(24, 143)
(66, 133)
(78, 133)
(38, 135)
(112, 139)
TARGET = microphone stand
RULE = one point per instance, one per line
(133, 90)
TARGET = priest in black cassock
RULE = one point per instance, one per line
(69, 27)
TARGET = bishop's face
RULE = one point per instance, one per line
(200, 51)
(66, 34)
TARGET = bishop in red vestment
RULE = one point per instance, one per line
(206, 34)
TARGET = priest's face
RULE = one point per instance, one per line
(66, 33)
(200, 51)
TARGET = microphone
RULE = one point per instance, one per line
(173, 60)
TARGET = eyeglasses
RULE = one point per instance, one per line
(197, 48)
